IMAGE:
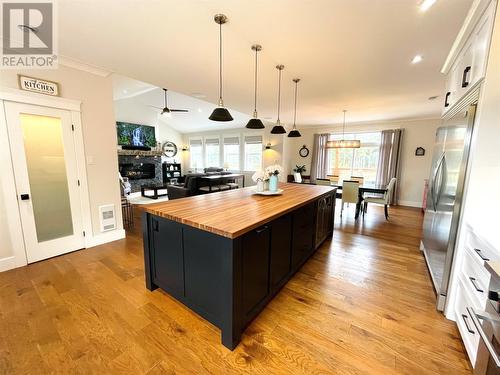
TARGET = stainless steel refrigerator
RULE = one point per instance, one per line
(446, 186)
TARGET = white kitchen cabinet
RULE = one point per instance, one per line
(466, 63)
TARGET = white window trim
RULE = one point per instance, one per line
(242, 141)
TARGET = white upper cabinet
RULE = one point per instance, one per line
(466, 62)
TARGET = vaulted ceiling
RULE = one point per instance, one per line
(352, 54)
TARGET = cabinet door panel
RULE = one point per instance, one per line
(281, 235)
(255, 264)
(168, 256)
(303, 233)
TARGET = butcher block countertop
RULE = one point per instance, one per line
(235, 212)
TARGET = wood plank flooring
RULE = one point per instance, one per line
(363, 304)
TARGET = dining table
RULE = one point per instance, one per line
(367, 187)
(219, 178)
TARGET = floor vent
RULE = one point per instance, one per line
(107, 217)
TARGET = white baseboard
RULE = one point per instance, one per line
(410, 204)
(7, 263)
(105, 238)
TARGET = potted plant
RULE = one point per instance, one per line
(273, 172)
(260, 177)
(299, 169)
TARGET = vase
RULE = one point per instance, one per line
(273, 183)
(260, 186)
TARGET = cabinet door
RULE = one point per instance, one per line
(303, 233)
(255, 264)
(281, 235)
(168, 262)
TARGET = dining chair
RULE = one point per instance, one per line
(333, 178)
(350, 193)
(323, 181)
(385, 200)
(360, 179)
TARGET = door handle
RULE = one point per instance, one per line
(442, 181)
(478, 251)
(25, 197)
(264, 228)
(465, 77)
(464, 317)
(433, 186)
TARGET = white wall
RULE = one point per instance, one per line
(414, 170)
(99, 133)
(481, 203)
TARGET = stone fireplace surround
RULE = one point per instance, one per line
(137, 160)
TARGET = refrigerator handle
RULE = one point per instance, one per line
(442, 181)
(433, 183)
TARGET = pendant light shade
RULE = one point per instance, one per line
(278, 128)
(255, 122)
(294, 133)
(344, 143)
(220, 113)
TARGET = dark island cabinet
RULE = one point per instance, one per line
(229, 281)
(324, 219)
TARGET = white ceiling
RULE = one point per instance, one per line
(349, 54)
(147, 99)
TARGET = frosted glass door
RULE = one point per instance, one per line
(43, 145)
(43, 155)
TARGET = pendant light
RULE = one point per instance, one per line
(278, 128)
(294, 133)
(344, 143)
(220, 113)
(254, 122)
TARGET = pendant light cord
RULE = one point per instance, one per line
(279, 94)
(343, 127)
(220, 62)
(255, 93)
(295, 110)
(165, 92)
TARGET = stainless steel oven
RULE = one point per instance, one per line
(487, 324)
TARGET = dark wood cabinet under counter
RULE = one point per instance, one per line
(225, 255)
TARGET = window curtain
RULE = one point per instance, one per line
(319, 162)
(389, 161)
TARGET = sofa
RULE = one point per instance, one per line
(193, 185)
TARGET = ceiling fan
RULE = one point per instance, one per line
(168, 111)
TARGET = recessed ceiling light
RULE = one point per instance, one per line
(200, 110)
(426, 4)
(417, 59)
(125, 91)
(198, 95)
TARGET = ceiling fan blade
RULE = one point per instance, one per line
(179, 110)
(153, 106)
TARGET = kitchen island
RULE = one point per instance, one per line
(225, 255)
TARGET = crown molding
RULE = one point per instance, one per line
(75, 64)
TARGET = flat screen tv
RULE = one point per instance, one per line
(135, 134)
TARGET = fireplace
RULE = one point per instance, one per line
(137, 171)
(140, 170)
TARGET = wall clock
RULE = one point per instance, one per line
(169, 149)
(304, 151)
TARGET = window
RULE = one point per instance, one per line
(232, 153)
(212, 152)
(196, 153)
(363, 161)
(253, 153)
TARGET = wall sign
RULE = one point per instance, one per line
(39, 86)
(169, 149)
(420, 151)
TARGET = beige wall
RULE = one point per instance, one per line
(481, 203)
(414, 170)
(99, 131)
(133, 110)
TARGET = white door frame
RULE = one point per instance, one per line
(73, 106)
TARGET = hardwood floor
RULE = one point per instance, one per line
(363, 304)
